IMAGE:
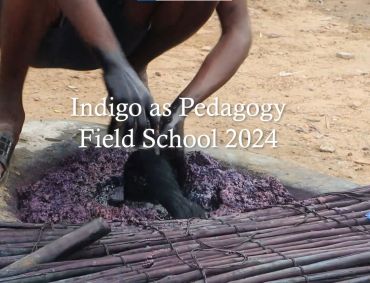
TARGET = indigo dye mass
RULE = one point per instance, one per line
(76, 191)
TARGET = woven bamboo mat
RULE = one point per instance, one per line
(325, 239)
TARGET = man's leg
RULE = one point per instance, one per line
(23, 24)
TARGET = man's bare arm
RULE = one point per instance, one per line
(227, 56)
(123, 83)
(222, 62)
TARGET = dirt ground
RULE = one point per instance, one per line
(293, 61)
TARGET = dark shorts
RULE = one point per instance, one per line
(62, 47)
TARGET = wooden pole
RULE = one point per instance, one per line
(69, 243)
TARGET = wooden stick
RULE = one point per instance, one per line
(77, 239)
(338, 263)
(362, 279)
(274, 266)
(336, 274)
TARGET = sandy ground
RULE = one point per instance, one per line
(293, 61)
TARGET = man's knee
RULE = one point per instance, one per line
(23, 25)
(26, 17)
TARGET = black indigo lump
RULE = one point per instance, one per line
(75, 191)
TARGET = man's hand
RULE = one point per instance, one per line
(125, 86)
(176, 156)
(173, 122)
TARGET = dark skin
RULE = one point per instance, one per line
(24, 24)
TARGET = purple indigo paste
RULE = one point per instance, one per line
(225, 190)
(72, 192)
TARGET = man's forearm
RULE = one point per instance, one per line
(220, 65)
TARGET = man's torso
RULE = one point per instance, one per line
(62, 47)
